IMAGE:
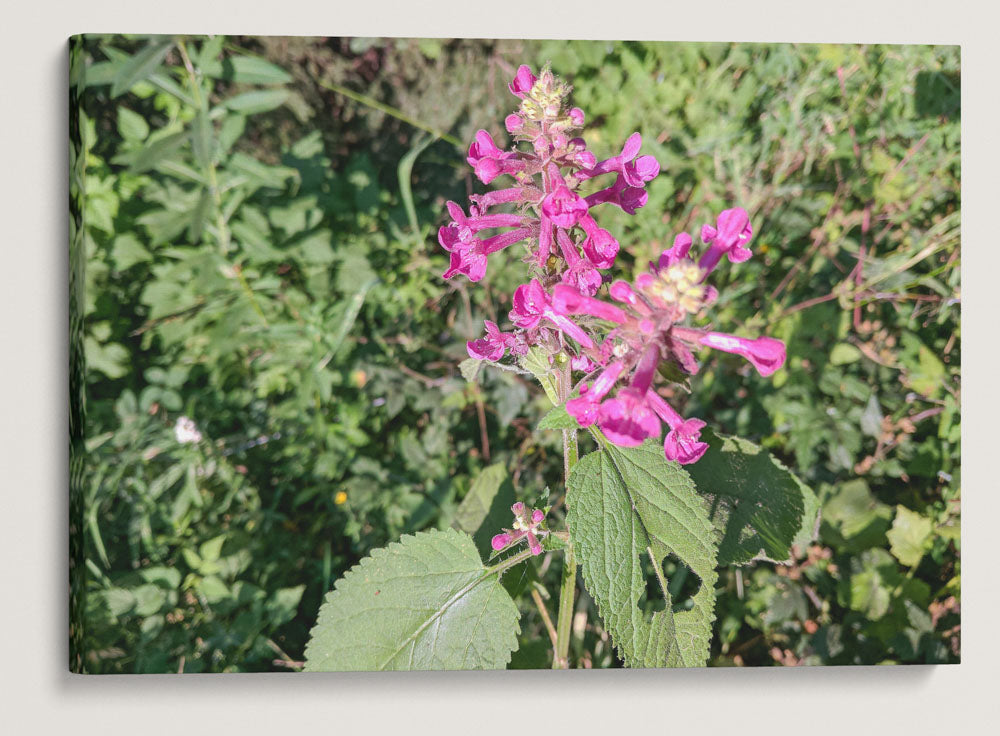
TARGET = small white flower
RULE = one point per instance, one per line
(186, 431)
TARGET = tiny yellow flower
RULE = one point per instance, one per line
(340, 498)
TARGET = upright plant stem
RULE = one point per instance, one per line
(221, 225)
(567, 590)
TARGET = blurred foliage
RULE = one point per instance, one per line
(259, 233)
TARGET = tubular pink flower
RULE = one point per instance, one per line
(498, 196)
(468, 253)
(493, 346)
(567, 300)
(500, 541)
(481, 222)
(563, 207)
(585, 408)
(676, 253)
(637, 173)
(583, 277)
(532, 304)
(627, 420)
(682, 442)
(488, 161)
(628, 198)
(729, 237)
(617, 163)
(765, 353)
(523, 81)
(620, 291)
(600, 246)
(513, 123)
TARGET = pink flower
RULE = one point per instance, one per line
(629, 198)
(585, 408)
(765, 353)
(532, 304)
(600, 246)
(682, 442)
(563, 207)
(468, 253)
(677, 253)
(627, 420)
(567, 300)
(493, 346)
(730, 236)
(526, 526)
(617, 163)
(488, 161)
(523, 81)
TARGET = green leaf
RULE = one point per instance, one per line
(128, 251)
(854, 519)
(627, 502)
(909, 536)
(758, 505)
(470, 369)
(486, 507)
(536, 362)
(558, 418)
(844, 353)
(423, 603)
(131, 125)
(141, 66)
(153, 153)
(246, 70)
(260, 100)
(210, 550)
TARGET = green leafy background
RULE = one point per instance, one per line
(254, 228)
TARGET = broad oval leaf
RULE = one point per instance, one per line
(423, 603)
(759, 506)
(627, 502)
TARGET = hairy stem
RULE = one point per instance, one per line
(567, 590)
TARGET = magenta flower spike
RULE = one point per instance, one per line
(619, 344)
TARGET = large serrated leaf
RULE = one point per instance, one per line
(760, 507)
(627, 502)
(423, 603)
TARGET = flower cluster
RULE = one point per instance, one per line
(526, 526)
(616, 347)
(564, 242)
(647, 333)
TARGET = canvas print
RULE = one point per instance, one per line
(414, 354)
